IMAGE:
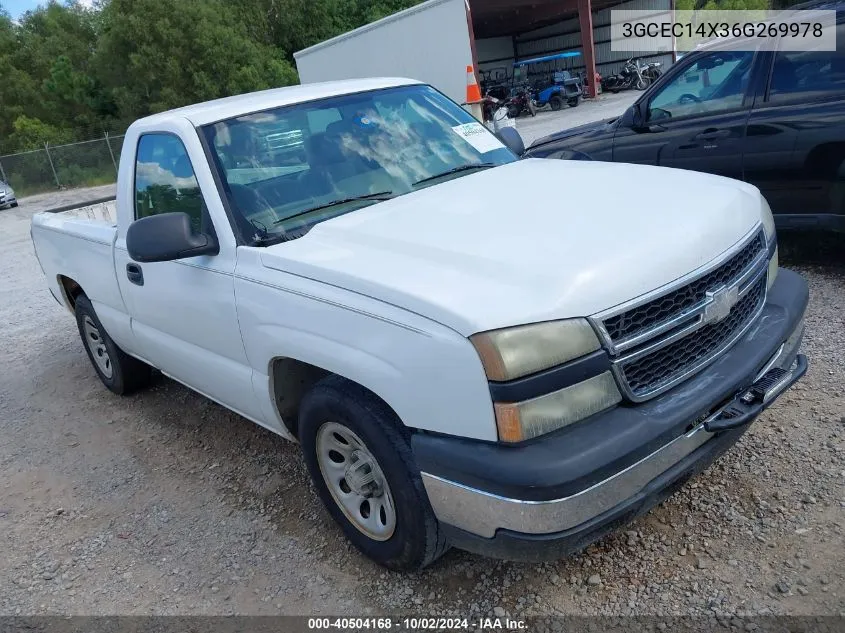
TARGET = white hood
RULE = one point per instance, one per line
(530, 241)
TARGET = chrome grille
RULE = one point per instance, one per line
(667, 307)
(656, 343)
(650, 372)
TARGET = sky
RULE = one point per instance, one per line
(16, 8)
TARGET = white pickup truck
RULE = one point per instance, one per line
(466, 355)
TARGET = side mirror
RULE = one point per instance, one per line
(633, 117)
(512, 140)
(165, 237)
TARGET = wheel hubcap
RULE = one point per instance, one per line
(355, 481)
(97, 346)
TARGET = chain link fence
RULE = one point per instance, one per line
(81, 164)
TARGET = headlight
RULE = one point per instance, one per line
(515, 352)
(524, 420)
(773, 269)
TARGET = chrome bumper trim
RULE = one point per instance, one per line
(483, 513)
(786, 353)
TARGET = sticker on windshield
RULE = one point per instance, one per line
(478, 136)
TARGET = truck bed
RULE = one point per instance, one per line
(77, 243)
(100, 212)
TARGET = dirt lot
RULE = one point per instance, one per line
(165, 503)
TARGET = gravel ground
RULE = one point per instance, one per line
(165, 503)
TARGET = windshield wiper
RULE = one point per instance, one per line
(262, 236)
(382, 195)
(456, 170)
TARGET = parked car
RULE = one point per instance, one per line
(461, 362)
(7, 196)
(773, 119)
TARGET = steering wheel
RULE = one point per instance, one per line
(688, 98)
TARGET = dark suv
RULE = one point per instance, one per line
(773, 119)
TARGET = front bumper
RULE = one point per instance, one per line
(546, 498)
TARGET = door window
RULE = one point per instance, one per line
(808, 75)
(164, 179)
(716, 82)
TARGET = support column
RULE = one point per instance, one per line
(585, 17)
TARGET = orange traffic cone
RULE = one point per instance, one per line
(473, 91)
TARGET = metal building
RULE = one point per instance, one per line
(436, 40)
(506, 31)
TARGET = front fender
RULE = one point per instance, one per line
(427, 373)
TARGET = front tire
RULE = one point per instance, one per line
(556, 102)
(119, 372)
(360, 461)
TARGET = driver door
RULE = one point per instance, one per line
(696, 119)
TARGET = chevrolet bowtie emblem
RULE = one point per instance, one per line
(719, 305)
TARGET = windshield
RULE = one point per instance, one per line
(286, 169)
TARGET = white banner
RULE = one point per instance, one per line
(664, 31)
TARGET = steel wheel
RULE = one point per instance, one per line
(97, 346)
(355, 481)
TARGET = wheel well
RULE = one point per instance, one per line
(71, 290)
(291, 381)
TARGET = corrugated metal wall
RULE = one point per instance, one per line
(494, 54)
(609, 62)
(565, 36)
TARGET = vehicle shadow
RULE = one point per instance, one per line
(812, 248)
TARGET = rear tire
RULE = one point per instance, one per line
(120, 372)
(556, 102)
(574, 101)
(14, 204)
(338, 413)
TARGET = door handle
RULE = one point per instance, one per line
(711, 134)
(135, 274)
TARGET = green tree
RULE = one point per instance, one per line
(292, 25)
(29, 133)
(158, 54)
(46, 69)
(69, 71)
